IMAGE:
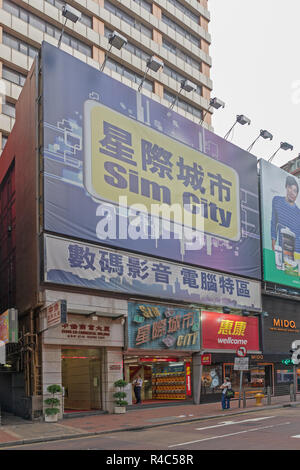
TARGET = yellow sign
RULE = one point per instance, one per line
(124, 157)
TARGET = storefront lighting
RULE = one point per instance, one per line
(283, 146)
(153, 64)
(213, 103)
(184, 85)
(226, 310)
(71, 14)
(264, 134)
(241, 119)
(115, 40)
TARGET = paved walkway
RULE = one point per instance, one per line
(16, 431)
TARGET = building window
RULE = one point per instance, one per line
(4, 140)
(13, 76)
(19, 45)
(127, 73)
(181, 30)
(9, 109)
(144, 4)
(186, 11)
(184, 105)
(45, 27)
(128, 19)
(182, 55)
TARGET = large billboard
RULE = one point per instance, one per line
(122, 170)
(280, 213)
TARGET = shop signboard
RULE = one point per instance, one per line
(78, 264)
(157, 327)
(9, 326)
(227, 332)
(56, 313)
(281, 325)
(280, 214)
(2, 353)
(123, 170)
(206, 359)
(188, 381)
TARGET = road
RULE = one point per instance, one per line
(275, 429)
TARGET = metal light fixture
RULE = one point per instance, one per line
(71, 14)
(153, 64)
(184, 85)
(116, 40)
(213, 103)
(264, 134)
(283, 146)
(226, 310)
(241, 119)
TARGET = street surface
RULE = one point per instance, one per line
(276, 429)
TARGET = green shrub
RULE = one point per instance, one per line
(120, 395)
(53, 402)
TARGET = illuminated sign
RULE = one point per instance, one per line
(206, 359)
(229, 332)
(159, 327)
(284, 325)
(188, 379)
(9, 326)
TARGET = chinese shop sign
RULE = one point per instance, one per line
(188, 379)
(158, 327)
(72, 263)
(85, 331)
(56, 313)
(228, 332)
(107, 148)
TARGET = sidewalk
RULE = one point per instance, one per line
(16, 431)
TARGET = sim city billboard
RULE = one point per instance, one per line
(124, 171)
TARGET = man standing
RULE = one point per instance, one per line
(138, 382)
(286, 215)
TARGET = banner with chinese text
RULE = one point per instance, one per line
(84, 265)
(228, 332)
(157, 327)
(107, 149)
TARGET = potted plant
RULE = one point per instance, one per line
(119, 396)
(51, 413)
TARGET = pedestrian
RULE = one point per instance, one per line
(138, 382)
(225, 399)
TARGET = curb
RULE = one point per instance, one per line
(141, 427)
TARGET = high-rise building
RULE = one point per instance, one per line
(175, 31)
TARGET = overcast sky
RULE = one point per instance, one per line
(256, 72)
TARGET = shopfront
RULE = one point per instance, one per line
(281, 326)
(84, 356)
(222, 335)
(161, 341)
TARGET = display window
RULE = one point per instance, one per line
(163, 378)
(211, 379)
(257, 378)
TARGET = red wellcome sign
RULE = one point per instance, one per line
(229, 332)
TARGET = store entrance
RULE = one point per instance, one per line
(163, 378)
(81, 379)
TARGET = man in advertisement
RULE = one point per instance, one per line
(285, 228)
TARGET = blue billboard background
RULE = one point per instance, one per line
(70, 210)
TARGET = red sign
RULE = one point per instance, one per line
(188, 379)
(206, 359)
(158, 359)
(228, 332)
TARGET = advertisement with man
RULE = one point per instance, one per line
(122, 170)
(280, 212)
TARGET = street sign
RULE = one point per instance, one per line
(56, 313)
(241, 351)
(241, 363)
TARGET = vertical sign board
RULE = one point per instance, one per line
(56, 313)
(2, 353)
(107, 148)
(280, 214)
(9, 326)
